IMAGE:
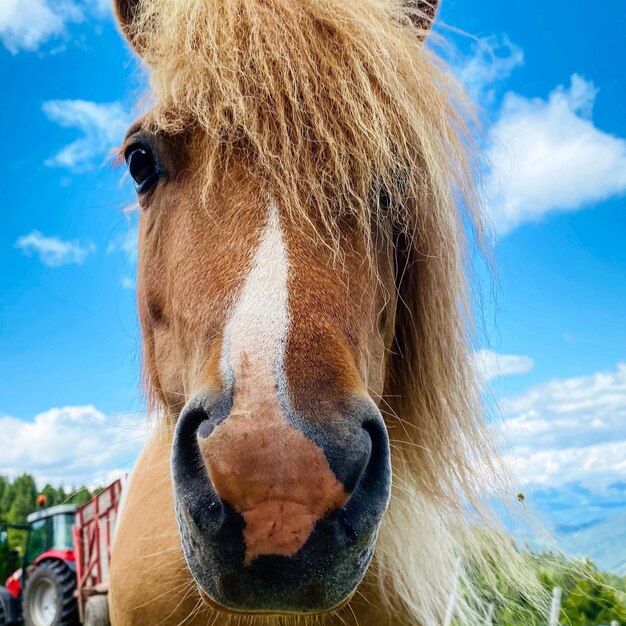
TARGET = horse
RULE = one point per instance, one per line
(305, 176)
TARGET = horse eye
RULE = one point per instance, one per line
(142, 167)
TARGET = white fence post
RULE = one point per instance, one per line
(490, 611)
(555, 609)
(453, 596)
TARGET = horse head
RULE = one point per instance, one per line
(299, 176)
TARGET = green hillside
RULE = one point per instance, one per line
(589, 597)
(603, 540)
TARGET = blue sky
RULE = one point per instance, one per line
(551, 82)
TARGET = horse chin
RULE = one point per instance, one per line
(320, 579)
(231, 612)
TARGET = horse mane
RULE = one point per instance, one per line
(330, 102)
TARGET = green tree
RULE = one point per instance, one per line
(78, 496)
(52, 495)
(3, 487)
(7, 499)
(591, 602)
(24, 499)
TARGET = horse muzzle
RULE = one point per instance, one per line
(279, 512)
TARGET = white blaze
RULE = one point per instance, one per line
(256, 331)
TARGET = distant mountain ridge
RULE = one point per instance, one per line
(602, 540)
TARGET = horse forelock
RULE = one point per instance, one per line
(329, 103)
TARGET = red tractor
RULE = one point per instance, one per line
(63, 580)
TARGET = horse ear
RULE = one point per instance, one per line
(126, 12)
(422, 13)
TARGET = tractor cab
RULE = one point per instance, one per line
(50, 534)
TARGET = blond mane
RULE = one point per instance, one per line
(329, 102)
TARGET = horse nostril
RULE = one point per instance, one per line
(377, 466)
(206, 428)
(354, 465)
(371, 460)
(371, 494)
(201, 415)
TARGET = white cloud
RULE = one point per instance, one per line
(491, 62)
(490, 365)
(569, 430)
(548, 156)
(70, 445)
(102, 7)
(126, 242)
(54, 252)
(101, 124)
(604, 462)
(27, 24)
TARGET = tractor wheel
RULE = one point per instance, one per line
(97, 611)
(49, 596)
